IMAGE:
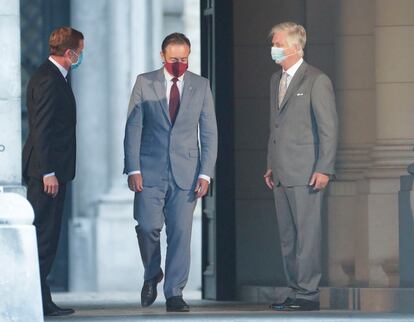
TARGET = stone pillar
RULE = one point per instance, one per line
(393, 152)
(139, 60)
(119, 40)
(173, 16)
(10, 94)
(354, 85)
(155, 32)
(90, 86)
(116, 242)
(20, 293)
(119, 85)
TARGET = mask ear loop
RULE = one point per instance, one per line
(77, 56)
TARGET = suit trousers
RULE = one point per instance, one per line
(154, 206)
(298, 211)
(48, 218)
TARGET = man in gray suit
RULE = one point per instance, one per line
(301, 157)
(169, 109)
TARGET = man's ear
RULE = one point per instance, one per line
(162, 57)
(67, 53)
(298, 47)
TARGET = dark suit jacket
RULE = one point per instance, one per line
(51, 145)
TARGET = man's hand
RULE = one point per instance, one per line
(268, 176)
(51, 186)
(135, 182)
(319, 181)
(201, 187)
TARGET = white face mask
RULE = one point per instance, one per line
(278, 54)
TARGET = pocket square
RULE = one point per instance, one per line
(299, 94)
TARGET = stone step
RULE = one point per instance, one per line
(124, 307)
(337, 298)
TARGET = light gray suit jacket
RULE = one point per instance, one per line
(304, 131)
(151, 141)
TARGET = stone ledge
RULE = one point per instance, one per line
(338, 298)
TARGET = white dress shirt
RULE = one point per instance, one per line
(64, 73)
(292, 71)
(60, 67)
(168, 84)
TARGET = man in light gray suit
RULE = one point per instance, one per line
(301, 157)
(169, 110)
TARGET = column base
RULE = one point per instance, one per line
(376, 244)
(118, 261)
(340, 233)
(21, 190)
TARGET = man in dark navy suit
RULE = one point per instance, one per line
(49, 155)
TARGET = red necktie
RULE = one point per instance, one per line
(174, 103)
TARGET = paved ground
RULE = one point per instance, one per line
(124, 307)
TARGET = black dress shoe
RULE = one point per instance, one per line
(177, 304)
(279, 306)
(149, 290)
(51, 309)
(300, 305)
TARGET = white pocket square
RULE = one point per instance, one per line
(299, 94)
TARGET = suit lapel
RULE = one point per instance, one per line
(68, 88)
(160, 91)
(294, 85)
(64, 84)
(61, 79)
(186, 95)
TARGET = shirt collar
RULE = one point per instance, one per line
(293, 69)
(169, 77)
(60, 67)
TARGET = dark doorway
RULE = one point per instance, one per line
(219, 269)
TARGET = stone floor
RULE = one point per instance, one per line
(124, 307)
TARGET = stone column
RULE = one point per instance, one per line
(155, 32)
(393, 152)
(354, 85)
(173, 16)
(119, 40)
(18, 248)
(116, 242)
(10, 94)
(90, 86)
(20, 278)
(139, 60)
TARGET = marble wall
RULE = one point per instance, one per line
(10, 97)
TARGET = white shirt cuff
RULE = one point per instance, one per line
(203, 176)
(49, 175)
(133, 172)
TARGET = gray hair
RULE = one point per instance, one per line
(296, 34)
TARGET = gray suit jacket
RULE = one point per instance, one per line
(152, 142)
(304, 131)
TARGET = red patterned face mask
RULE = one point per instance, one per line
(176, 69)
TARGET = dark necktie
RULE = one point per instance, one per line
(174, 103)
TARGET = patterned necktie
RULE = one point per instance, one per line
(282, 88)
(174, 103)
